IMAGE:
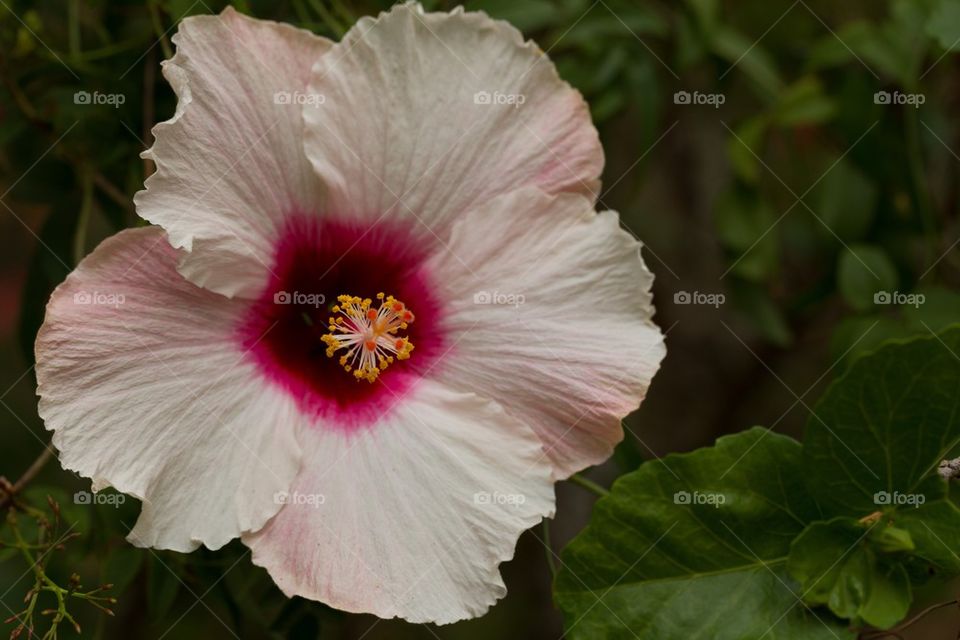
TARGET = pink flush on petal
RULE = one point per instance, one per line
(315, 261)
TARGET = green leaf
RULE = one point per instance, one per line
(163, 585)
(603, 26)
(530, 16)
(889, 49)
(744, 147)
(944, 24)
(803, 103)
(746, 226)
(695, 544)
(889, 595)
(862, 334)
(180, 9)
(762, 312)
(934, 309)
(122, 566)
(748, 57)
(865, 272)
(935, 530)
(706, 14)
(837, 566)
(889, 539)
(875, 438)
(846, 200)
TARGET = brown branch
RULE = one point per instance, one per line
(113, 192)
(13, 489)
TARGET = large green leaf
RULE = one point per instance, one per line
(695, 545)
(876, 437)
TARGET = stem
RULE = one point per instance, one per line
(589, 485)
(343, 12)
(73, 20)
(328, 18)
(149, 85)
(86, 206)
(158, 28)
(551, 561)
(915, 161)
(33, 469)
(28, 475)
(113, 192)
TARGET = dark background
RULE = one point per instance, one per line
(798, 198)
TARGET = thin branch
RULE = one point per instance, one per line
(589, 485)
(28, 475)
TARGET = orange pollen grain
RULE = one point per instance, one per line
(370, 345)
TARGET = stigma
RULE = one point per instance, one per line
(367, 334)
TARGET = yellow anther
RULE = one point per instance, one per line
(367, 334)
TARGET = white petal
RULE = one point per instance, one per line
(400, 129)
(230, 163)
(147, 388)
(417, 512)
(551, 315)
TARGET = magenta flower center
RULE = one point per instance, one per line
(311, 329)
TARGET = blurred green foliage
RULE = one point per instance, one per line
(828, 168)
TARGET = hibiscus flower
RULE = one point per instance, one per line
(377, 316)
